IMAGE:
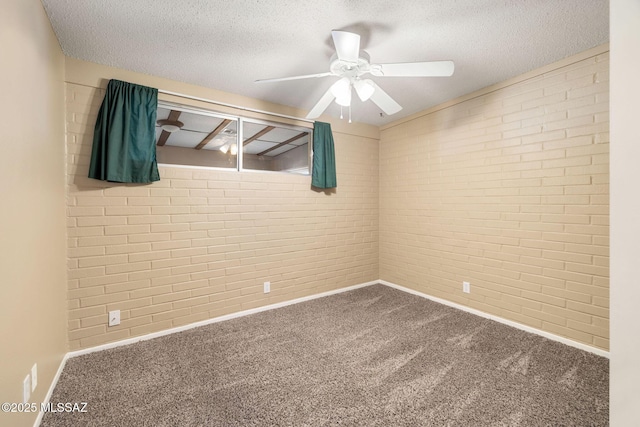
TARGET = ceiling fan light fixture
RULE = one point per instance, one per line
(341, 88)
(234, 149)
(170, 125)
(364, 89)
(350, 64)
(224, 148)
(342, 91)
(345, 99)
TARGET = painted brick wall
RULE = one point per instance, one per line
(508, 190)
(200, 242)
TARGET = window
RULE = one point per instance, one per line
(195, 137)
(274, 147)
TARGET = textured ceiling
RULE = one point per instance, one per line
(227, 45)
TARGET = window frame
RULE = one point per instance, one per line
(240, 120)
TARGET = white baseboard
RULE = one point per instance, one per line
(54, 382)
(215, 320)
(128, 341)
(184, 328)
(517, 325)
(511, 323)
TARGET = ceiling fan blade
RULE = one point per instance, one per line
(282, 79)
(414, 69)
(347, 45)
(384, 101)
(321, 105)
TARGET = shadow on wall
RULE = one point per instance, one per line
(326, 191)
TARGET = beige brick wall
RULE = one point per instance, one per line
(201, 242)
(507, 189)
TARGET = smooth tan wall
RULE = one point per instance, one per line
(32, 218)
(625, 212)
(507, 189)
(201, 242)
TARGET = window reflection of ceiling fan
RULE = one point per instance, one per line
(351, 64)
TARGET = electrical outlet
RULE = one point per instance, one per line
(267, 287)
(466, 287)
(114, 318)
(26, 389)
(34, 376)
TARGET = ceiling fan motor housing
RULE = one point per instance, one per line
(351, 70)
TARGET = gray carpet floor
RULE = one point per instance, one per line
(374, 356)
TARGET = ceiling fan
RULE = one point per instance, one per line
(352, 64)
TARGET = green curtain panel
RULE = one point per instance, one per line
(124, 148)
(323, 174)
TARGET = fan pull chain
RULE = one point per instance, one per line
(341, 117)
(349, 113)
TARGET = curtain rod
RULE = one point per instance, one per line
(238, 107)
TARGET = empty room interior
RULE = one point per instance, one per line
(355, 213)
